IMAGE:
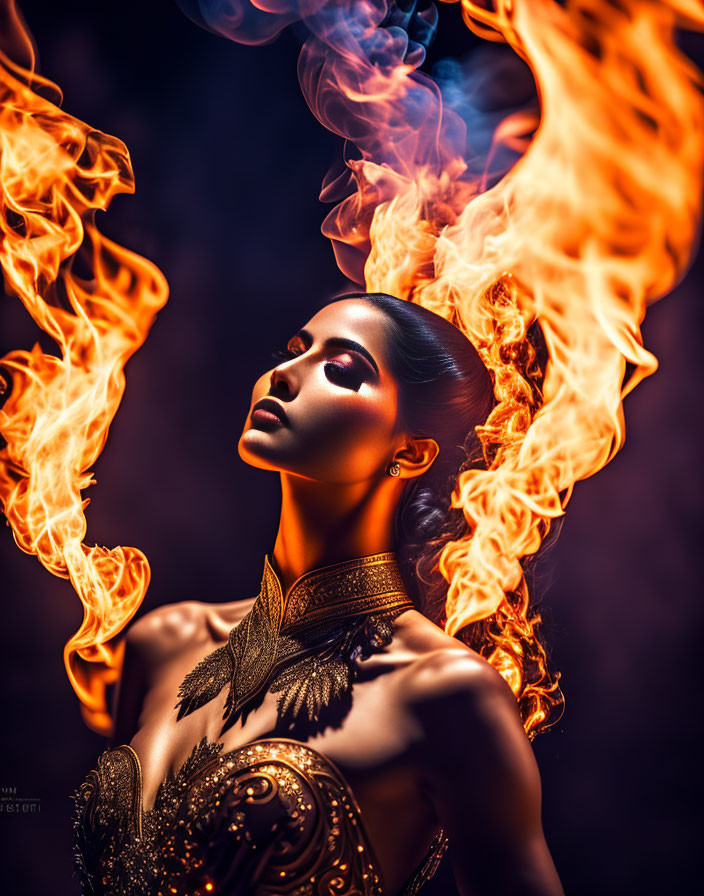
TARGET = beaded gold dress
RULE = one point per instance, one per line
(273, 816)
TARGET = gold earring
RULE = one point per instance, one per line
(395, 468)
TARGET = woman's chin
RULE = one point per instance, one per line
(254, 450)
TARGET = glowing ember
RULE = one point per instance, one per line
(596, 220)
(54, 172)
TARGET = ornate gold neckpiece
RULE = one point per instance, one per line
(304, 647)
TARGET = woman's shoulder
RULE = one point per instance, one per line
(161, 639)
(460, 703)
(163, 631)
(444, 670)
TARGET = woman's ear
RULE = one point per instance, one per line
(416, 456)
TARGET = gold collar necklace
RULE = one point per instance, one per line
(304, 647)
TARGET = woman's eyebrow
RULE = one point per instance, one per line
(340, 342)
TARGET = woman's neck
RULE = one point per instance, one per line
(322, 523)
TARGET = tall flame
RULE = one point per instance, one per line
(55, 171)
(596, 221)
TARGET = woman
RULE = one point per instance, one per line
(411, 738)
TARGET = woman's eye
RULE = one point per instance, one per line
(343, 375)
(346, 375)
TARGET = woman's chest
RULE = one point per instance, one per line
(373, 747)
(369, 736)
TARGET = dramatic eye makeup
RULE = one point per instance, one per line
(350, 369)
(349, 374)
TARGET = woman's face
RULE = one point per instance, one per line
(334, 400)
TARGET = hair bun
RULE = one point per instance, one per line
(421, 515)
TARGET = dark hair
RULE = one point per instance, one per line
(446, 392)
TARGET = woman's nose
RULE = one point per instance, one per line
(282, 382)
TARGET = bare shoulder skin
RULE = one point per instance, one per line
(482, 776)
(158, 638)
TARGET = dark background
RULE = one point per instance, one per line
(228, 163)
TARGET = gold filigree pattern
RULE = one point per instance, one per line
(273, 817)
(332, 616)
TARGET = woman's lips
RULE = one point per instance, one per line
(267, 414)
(265, 419)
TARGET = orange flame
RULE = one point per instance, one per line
(55, 171)
(595, 221)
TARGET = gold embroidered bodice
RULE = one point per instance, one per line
(273, 816)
